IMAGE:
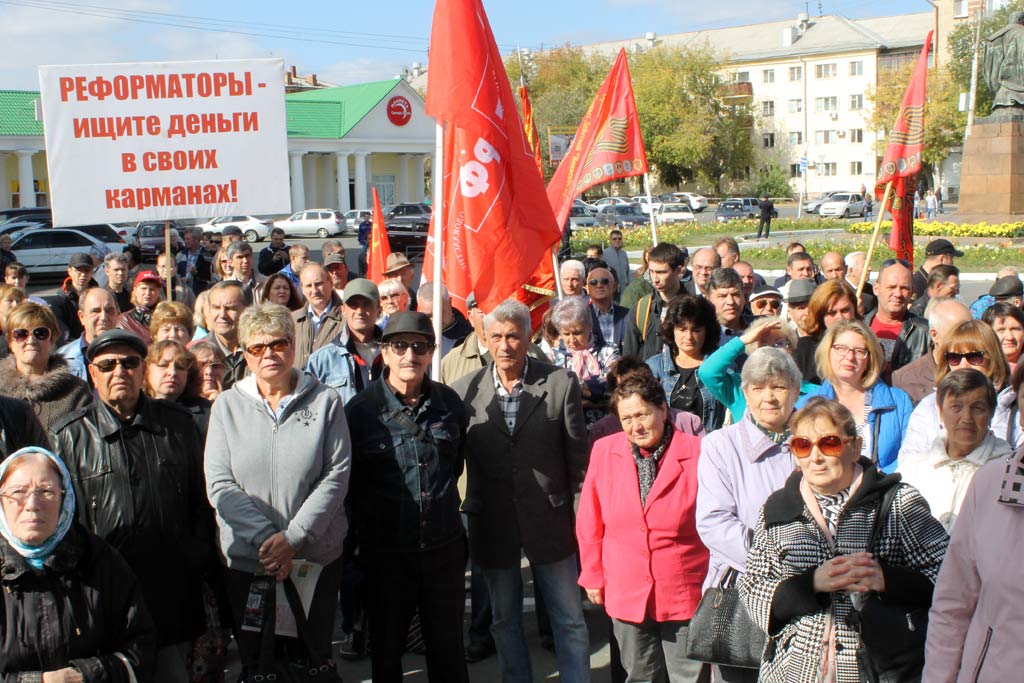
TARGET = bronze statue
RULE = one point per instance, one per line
(1004, 66)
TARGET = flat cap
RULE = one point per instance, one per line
(1007, 286)
(409, 322)
(115, 338)
(942, 246)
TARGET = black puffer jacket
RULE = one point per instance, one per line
(140, 487)
(82, 608)
(19, 427)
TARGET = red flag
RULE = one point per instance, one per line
(380, 247)
(530, 127)
(902, 159)
(607, 146)
(497, 222)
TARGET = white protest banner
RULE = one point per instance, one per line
(165, 140)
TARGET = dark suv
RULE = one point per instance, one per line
(621, 216)
(408, 225)
(150, 239)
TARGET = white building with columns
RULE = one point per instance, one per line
(341, 142)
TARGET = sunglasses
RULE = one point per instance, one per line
(108, 364)
(972, 357)
(21, 334)
(773, 304)
(830, 445)
(419, 348)
(599, 281)
(277, 346)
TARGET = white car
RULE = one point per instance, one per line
(321, 223)
(674, 213)
(656, 201)
(697, 202)
(253, 229)
(844, 204)
(353, 218)
(46, 251)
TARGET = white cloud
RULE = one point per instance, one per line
(361, 70)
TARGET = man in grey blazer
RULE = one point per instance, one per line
(526, 456)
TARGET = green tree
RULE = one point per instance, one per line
(961, 52)
(774, 182)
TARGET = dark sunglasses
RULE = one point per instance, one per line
(830, 445)
(419, 348)
(893, 261)
(21, 334)
(767, 303)
(972, 357)
(108, 364)
(277, 346)
(599, 281)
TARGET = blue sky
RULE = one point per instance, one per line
(347, 41)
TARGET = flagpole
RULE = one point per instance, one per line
(886, 201)
(650, 205)
(558, 274)
(437, 177)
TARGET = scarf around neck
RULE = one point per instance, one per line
(647, 467)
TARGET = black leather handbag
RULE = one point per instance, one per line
(721, 630)
(892, 634)
(269, 669)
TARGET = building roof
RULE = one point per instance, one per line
(823, 35)
(18, 113)
(333, 112)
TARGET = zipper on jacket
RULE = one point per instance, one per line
(984, 653)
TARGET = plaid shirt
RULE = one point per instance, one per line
(508, 401)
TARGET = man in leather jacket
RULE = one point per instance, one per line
(137, 470)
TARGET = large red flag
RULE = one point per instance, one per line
(530, 127)
(607, 146)
(902, 161)
(380, 247)
(497, 222)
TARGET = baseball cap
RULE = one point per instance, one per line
(148, 276)
(361, 287)
(764, 292)
(334, 260)
(81, 260)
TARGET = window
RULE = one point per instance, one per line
(768, 76)
(960, 9)
(826, 104)
(796, 106)
(856, 68)
(768, 140)
(742, 77)
(825, 70)
(796, 138)
(856, 135)
(856, 168)
(796, 73)
(828, 168)
(794, 170)
(824, 137)
(768, 108)
(856, 102)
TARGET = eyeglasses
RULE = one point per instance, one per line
(599, 281)
(419, 348)
(616, 239)
(108, 364)
(830, 445)
(21, 494)
(276, 345)
(893, 261)
(859, 352)
(972, 357)
(20, 334)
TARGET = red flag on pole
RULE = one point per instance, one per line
(380, 247)
(607, 146)
(902, 161)
(497, 222)
(530, 127)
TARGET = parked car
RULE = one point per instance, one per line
(844, 204)
(321, 223)
(407, 215)
(732, 209)
(581, 217)
(697, 202)
(47, 251)
(585, 205)
(34, 214)
(149, 237)
(621, 216)
(814, 205)
(253, 229)
(656, 201)
(605, 201)
(26, 222)
(352, 220)
(675, 213)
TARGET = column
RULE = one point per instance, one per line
(5, 182)
(344, 204)
(26, 179)
(309, 171)
(362, 189)
(298, 183)
(419, 178)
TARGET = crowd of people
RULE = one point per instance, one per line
(173, 471)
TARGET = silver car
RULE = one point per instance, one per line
(813, 205)
(843, 204)
(322, 223)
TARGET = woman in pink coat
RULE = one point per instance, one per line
(639, 549)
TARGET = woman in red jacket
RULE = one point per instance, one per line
(640, 553)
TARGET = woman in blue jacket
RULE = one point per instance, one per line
(850, 359)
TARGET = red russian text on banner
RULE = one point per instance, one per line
(497, 222)
(380, 247)
(608, 144)
(530, 127)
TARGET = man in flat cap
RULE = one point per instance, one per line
(1009, 289)
(937, 252)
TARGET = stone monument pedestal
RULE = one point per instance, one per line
(992, 174)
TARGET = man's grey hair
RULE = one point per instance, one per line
(237, 247)
(723, 278)
(195, 231)
(510, 311)
(331, 244)
(573, 264)
(272, 320)
(572, 310)
(769, 363)
(426, 293)
(851, 259)
(115, 257)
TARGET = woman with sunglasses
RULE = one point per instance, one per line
(971, 344)
(809, 564)
(1007, 322)
(850, 359)
(277, 468)
(34, 371)
(832, 301)
(10, 296)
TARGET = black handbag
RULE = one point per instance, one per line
(892, 634)
(721, 630)
(269, 669)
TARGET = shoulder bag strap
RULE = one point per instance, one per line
(876, 428)
(884, 506)
(647, 316)
(295, 603)
(266, 660)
